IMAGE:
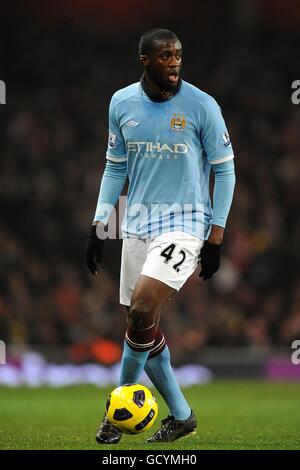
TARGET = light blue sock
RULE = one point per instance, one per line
(132, 365)
(160, 372)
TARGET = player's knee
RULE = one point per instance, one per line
(141, 316)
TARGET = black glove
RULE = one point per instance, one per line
(209, 259)
(93, 250)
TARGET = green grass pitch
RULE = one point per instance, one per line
(231, 415)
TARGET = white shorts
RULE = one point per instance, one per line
(171, 258)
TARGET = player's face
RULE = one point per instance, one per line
(164, 64)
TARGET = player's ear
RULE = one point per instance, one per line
(144, 59)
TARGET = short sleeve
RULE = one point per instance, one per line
(116, 148)
(214, 135)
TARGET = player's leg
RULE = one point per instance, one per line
(134, 253)
(148, 299)
(160, 250)
(160, 372)
(159, 369)
(181, 420)
(172, 258)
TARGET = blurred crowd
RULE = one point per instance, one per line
(53, 137)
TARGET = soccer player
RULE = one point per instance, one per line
(165, 135)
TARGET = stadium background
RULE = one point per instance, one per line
(61, 62)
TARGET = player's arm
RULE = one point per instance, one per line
(111, 187)
(219, 152)
(222, 199)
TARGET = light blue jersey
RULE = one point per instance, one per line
(169, 148)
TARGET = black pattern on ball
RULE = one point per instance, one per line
(139, 398)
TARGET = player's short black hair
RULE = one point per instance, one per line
(149, 38)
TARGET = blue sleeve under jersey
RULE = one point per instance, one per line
(223, 191)
(111, 187)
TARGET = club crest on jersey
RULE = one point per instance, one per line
(178, 123)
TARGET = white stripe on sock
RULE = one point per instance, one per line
(138, 345)
(158, 346)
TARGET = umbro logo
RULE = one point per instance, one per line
(132, 123)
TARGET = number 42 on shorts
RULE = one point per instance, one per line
(167, 253)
